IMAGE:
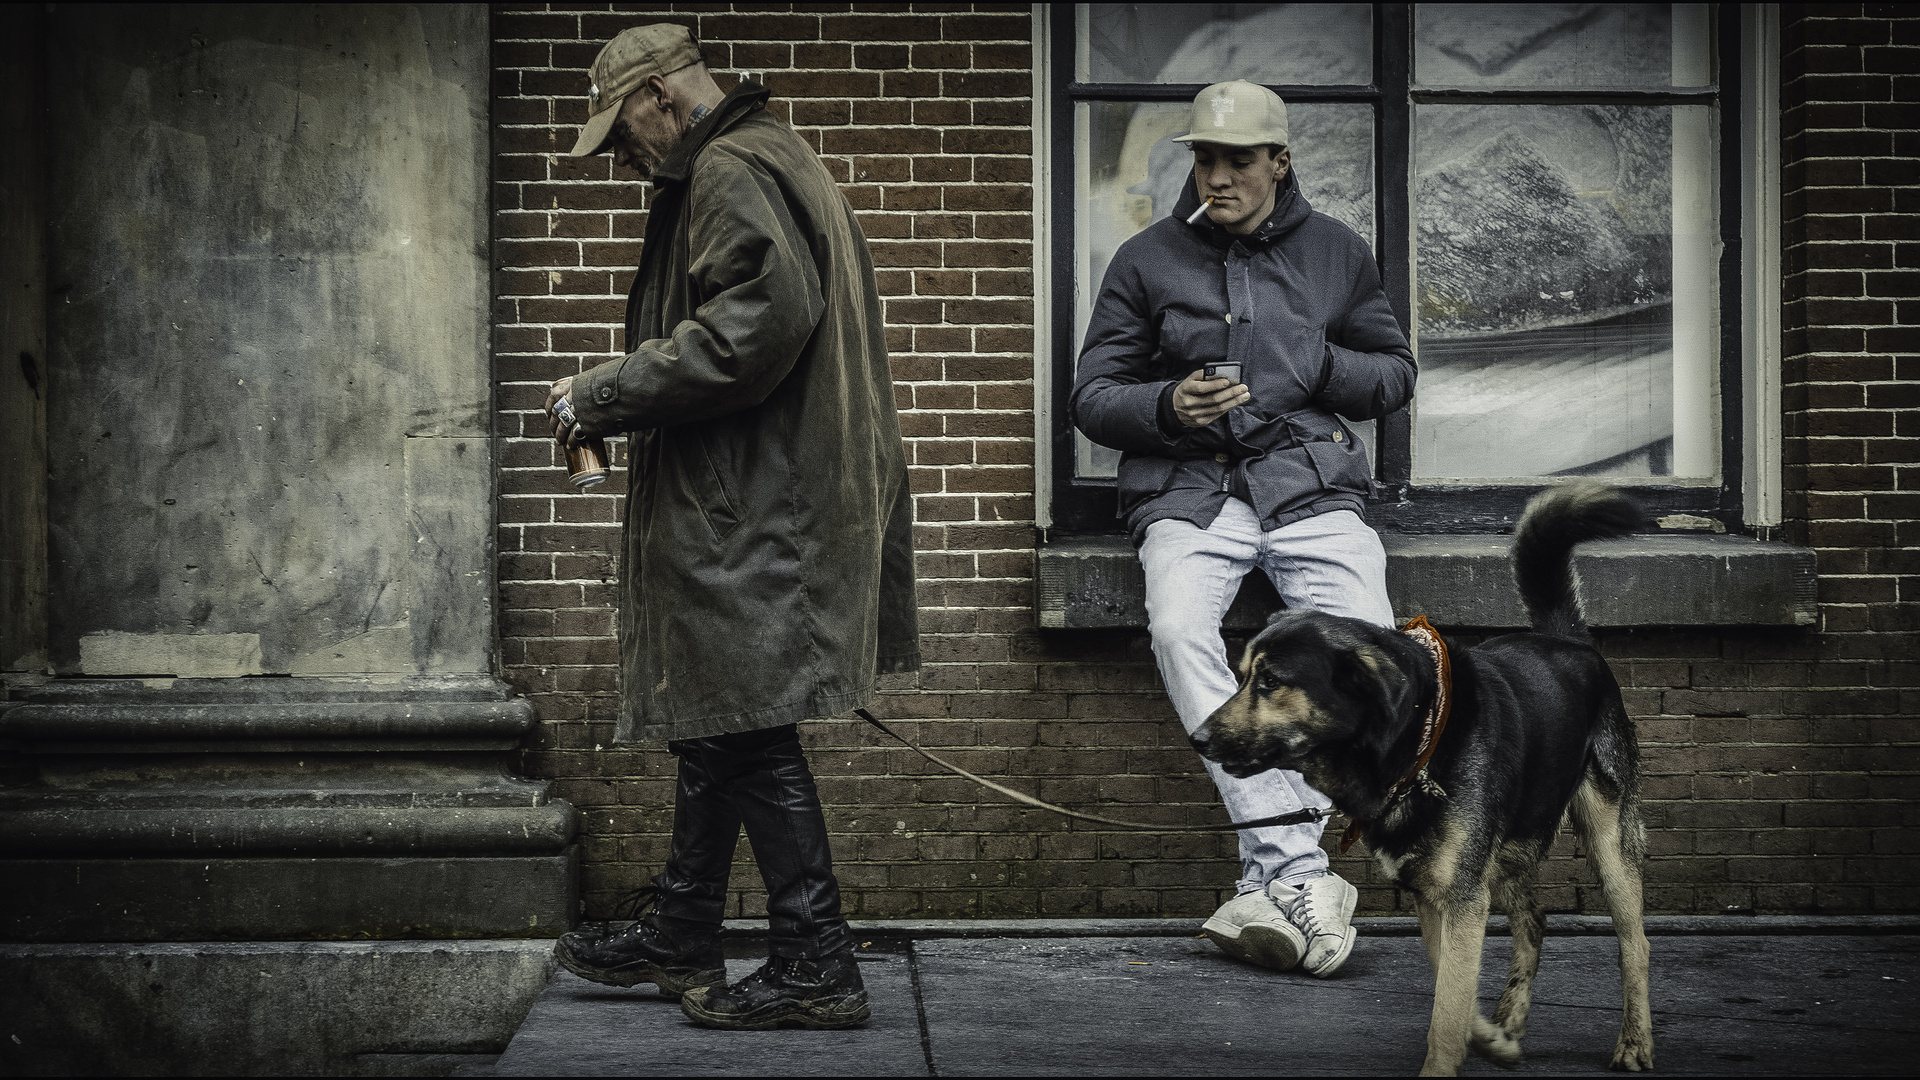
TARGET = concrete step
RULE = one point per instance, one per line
(263, 1007)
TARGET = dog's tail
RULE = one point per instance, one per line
(1556, 520)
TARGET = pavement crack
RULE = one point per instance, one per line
(920, 1007)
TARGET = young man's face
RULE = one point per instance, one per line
(1241, 180)
(646, 131)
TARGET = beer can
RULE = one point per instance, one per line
(587, 460)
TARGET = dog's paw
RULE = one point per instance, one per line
(1633, 1055)
(1492, 1042)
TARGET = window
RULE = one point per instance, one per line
(1545, 186)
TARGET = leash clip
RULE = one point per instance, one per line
(1429, 785)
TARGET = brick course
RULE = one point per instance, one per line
(1779, 764)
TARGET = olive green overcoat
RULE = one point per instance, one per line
(767, 572)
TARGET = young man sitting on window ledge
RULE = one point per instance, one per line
(1219, 475)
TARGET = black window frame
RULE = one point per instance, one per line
(1086, 507)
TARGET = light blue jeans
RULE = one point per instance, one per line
(1330, 562)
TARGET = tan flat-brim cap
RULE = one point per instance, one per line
(620, 69)
(1237, 113)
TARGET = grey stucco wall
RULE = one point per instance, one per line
(269, 403)
(23, 344)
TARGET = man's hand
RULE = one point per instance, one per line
(562, 433)
(1199, 401)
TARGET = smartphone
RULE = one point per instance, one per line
(1230, 371)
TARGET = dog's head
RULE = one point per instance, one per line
(1320, 694)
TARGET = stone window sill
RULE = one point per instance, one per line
(1466, 581)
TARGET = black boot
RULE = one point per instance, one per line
(823, 993)
(646, 951)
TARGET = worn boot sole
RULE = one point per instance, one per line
(1255, 943)
(671, 983)
(826, 1016)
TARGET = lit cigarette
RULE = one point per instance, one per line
(1195, 216)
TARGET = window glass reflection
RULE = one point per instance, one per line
(1273, 44)
(1565, 291)
(1561, 45)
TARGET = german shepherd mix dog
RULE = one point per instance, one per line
(1535, 734)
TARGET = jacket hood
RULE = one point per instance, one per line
(740, 101)
(1290, 210)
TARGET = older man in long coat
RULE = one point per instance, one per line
(768, 564)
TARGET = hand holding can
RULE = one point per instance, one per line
(587, 460)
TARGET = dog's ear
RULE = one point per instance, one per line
(1367, 674)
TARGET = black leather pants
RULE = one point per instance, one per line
(758, 779)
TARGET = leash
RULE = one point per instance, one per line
(1298, 817)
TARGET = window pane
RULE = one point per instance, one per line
(1129, 173)
(1567, 293)
(1644, 46)
(1272, 44)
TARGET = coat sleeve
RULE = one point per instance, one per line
(758, 295)
(1116, 398)
(1369, 368)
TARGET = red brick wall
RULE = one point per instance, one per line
(1776, 760)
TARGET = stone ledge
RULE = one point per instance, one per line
(341, 897)
(412, 831)
(260, 1008)
(268, 720)
(1467, 581)
(264, 715)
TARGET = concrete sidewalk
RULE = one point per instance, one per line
(1166, 1002)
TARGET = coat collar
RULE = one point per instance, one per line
(740, 102)
(1290, 209)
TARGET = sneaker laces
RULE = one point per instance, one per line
(1301, 911)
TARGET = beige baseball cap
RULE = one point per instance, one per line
(620, 69)
(1237, 113)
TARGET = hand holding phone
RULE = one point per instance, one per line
(1229, 371)
(1199, 399)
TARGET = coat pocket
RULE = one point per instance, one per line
(716, 505)
(1189, 341)
(1142, 479)
(1338, 457)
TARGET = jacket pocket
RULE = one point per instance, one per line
(1142, 479)
(1189, 341)
(716, 505)
(1338, 457)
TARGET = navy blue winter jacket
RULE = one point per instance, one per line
(1298, 304)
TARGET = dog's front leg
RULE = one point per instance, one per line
(1462, 930)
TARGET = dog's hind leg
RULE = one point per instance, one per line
(1611, 829)
(1462, 930)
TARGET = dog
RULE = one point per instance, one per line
(1532, 732)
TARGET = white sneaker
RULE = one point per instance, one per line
(1322, 910)
(1252, 928)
